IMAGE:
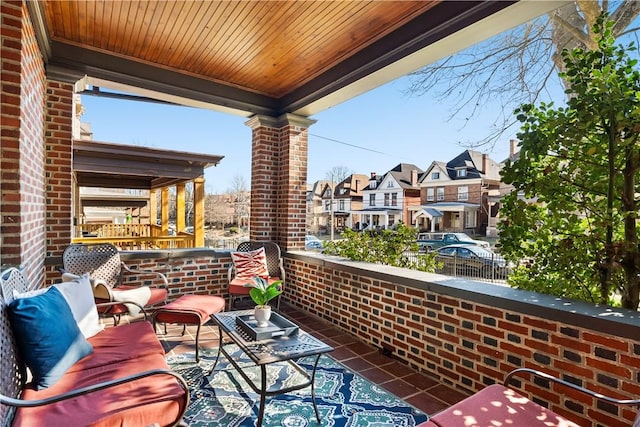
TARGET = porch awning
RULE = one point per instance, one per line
(452, 207)
(378, 211)
(430, 213)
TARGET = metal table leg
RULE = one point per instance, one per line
(263, 394)
(313, 388)
(218, 354)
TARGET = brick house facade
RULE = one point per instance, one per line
(454, 195)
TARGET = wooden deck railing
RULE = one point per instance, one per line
(132, 236)
(143, 243)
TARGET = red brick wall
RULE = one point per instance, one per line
(469, 335)
(467, 341)
(22, 98)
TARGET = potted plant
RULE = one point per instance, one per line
(261, 293)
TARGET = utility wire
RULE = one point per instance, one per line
(350, 145)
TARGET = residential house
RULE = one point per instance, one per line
(387, 199)
(454, 195)
(495, 195)
(345, 198)
(316, 220)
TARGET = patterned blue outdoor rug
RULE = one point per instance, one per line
(344, 398)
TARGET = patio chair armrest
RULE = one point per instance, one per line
(282, 275)
(578, 388)
(113, 303)
(20, 403)
(157, 273)
(231, 273)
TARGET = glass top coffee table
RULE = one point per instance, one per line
(264, 352)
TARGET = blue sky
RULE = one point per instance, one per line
(387, 120)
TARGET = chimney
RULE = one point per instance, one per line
(513, 144)
(373, 175)
(485, 163)
(414, 178)
(372, 180)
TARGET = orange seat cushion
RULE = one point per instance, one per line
(155, 399)
(236, 287)
(497, 405)
(190, 309)
(158, 295)
(113, 345)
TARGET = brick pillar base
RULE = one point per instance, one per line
(279, 179)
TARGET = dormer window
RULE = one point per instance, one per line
(435, 175)
(461, 173)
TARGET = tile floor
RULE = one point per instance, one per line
(422, 391)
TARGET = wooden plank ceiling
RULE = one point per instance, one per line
(268, 57)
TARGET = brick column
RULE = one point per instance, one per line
(279, 179)
(22, 151)
(59, 168)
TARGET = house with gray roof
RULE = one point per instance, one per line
(387, 198)
(454, 195)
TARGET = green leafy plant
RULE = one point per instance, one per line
(574, 208)
(397, 247)
(262, 292)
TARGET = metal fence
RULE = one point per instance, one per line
(493, 269)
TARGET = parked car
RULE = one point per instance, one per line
(472, 261)
(431, 241)
(312, 242)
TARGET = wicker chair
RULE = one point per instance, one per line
(275, 267)
(102, 262)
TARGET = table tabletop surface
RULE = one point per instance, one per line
(269, 350)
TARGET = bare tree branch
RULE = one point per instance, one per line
(518, 66)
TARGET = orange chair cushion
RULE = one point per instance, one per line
(116, 344)
(158, 295)
(236, 287)
(497, 405)
(150, 400)
(190, 309)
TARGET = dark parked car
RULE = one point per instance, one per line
(472, 261)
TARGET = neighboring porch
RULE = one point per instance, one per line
(447, 216)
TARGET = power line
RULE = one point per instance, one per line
(350, 145)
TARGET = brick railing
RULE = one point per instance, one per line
(468, 334)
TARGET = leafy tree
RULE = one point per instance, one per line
(520, 65)
(388, 247)
(575, 205)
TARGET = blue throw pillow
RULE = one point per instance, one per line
(47, 335)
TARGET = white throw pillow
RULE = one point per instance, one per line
(139, 295)
(79, 296)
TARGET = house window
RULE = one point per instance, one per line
(463, 193)
(469, 219)
(435, 175)
(386, 199)
(394, 199)
(390, 184)
(461, 173)
(441, 193)
(341, 205)
(430, 194)
(372, 199)
(327, 205)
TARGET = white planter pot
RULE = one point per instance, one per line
(262, 314)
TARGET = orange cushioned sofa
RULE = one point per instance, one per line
(120, 377)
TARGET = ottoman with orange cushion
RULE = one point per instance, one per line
(189, 310)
